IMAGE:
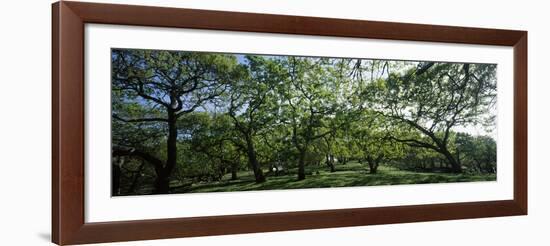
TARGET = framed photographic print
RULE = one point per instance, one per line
(176, 122)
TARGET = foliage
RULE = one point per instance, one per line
(194, 121)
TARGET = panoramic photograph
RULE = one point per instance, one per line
(195, 122)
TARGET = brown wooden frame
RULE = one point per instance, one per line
(68, 224)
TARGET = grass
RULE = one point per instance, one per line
(351, 174)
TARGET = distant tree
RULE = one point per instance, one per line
(310, 102)
(478, 152)
(433, 98)
(253, 106)
(276, 148)
(215, 139)
(371, 138)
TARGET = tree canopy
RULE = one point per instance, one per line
(181, 118)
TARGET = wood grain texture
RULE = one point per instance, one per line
(252, 22)
(68, 124)
(219, 225)
(68, 19)
(55, 123)
(520, 122)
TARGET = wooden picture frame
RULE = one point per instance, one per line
(68, 223)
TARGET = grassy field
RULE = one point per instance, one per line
(351, 174)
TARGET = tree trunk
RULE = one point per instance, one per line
(116, 179)
(489, 168)
(162, 183)
(458, 157)
(455, 165)
(253, 161)
(330, 163)
(479, 166)
(301, 165)
(135, 178)
(329, 156)
(374, 163)
(373, 166)
(234, 171)
(331, 166)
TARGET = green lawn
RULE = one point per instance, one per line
(352, 174)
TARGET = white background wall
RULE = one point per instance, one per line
(25, 147)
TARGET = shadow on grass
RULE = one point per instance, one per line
(345, 176)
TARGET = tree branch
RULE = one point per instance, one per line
(115, 116)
